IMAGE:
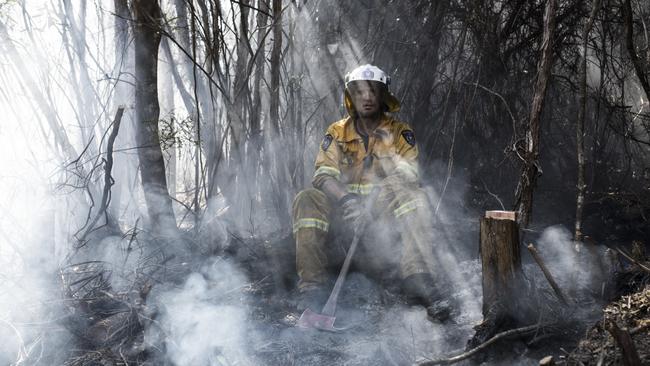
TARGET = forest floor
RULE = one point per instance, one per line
(380, 329)
(630, 313)
(231, 310)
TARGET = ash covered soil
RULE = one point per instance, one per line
(379, 329)
(227, 311)
(384, 330)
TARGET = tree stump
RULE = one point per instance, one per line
(500, 262)
(503, 285)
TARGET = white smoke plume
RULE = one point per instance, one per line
(204, 321)
(579, 270)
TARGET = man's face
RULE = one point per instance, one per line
(366, 97)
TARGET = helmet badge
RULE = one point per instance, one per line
(368, 74)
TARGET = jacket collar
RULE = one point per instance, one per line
(350, 131)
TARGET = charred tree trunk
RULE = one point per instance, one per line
(209, 151)
(182, 35)
(530, 171)
(240, 189)
(275, 67)
(196, 205)
(278, 176)
(631, 48)
(253, 155)
(580, 128)
(428, 71)
(214, 132)
(146, 32)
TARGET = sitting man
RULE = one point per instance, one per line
(369, 151)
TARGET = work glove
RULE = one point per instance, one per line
(354, 212)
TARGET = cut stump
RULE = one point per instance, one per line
(503, 285)
(500, 262)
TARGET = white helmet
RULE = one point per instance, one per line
(367, 72)
(370, 73)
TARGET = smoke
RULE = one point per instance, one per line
(204, 321)
(30, 297)
(581, 270)
(208, 317)
(30, 305)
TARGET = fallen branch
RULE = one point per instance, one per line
(475, 350)
(627, 256)
(624, 341)
(547, 274)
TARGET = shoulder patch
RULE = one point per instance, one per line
(327, 141)
(409, 136)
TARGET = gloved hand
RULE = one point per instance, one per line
(354, 212)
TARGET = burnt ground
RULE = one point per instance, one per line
(381, 329)
(630, 312)
(237, 308)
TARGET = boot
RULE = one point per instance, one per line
(313, 298)
(420, 290)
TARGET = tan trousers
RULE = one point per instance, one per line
(404, 212)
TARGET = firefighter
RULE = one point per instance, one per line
(368, 151)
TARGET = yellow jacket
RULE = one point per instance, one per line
(390, 156)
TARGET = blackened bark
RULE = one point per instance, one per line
(501, 263)
(279, 176)
(505, 295)
(147, 16)
(121, 28)
(275, 66)
(631, 49)
(256, 109)
(428, 71)
(238, 113)
(580, 128)
(530, 171)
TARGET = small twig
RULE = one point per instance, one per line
(75, 161)
(134, 232)
(493, 195)
(503, 100)
(36, 360)
(482, 346)
(547, 274)
(627, 256)
(450, 167)
(22, 352)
